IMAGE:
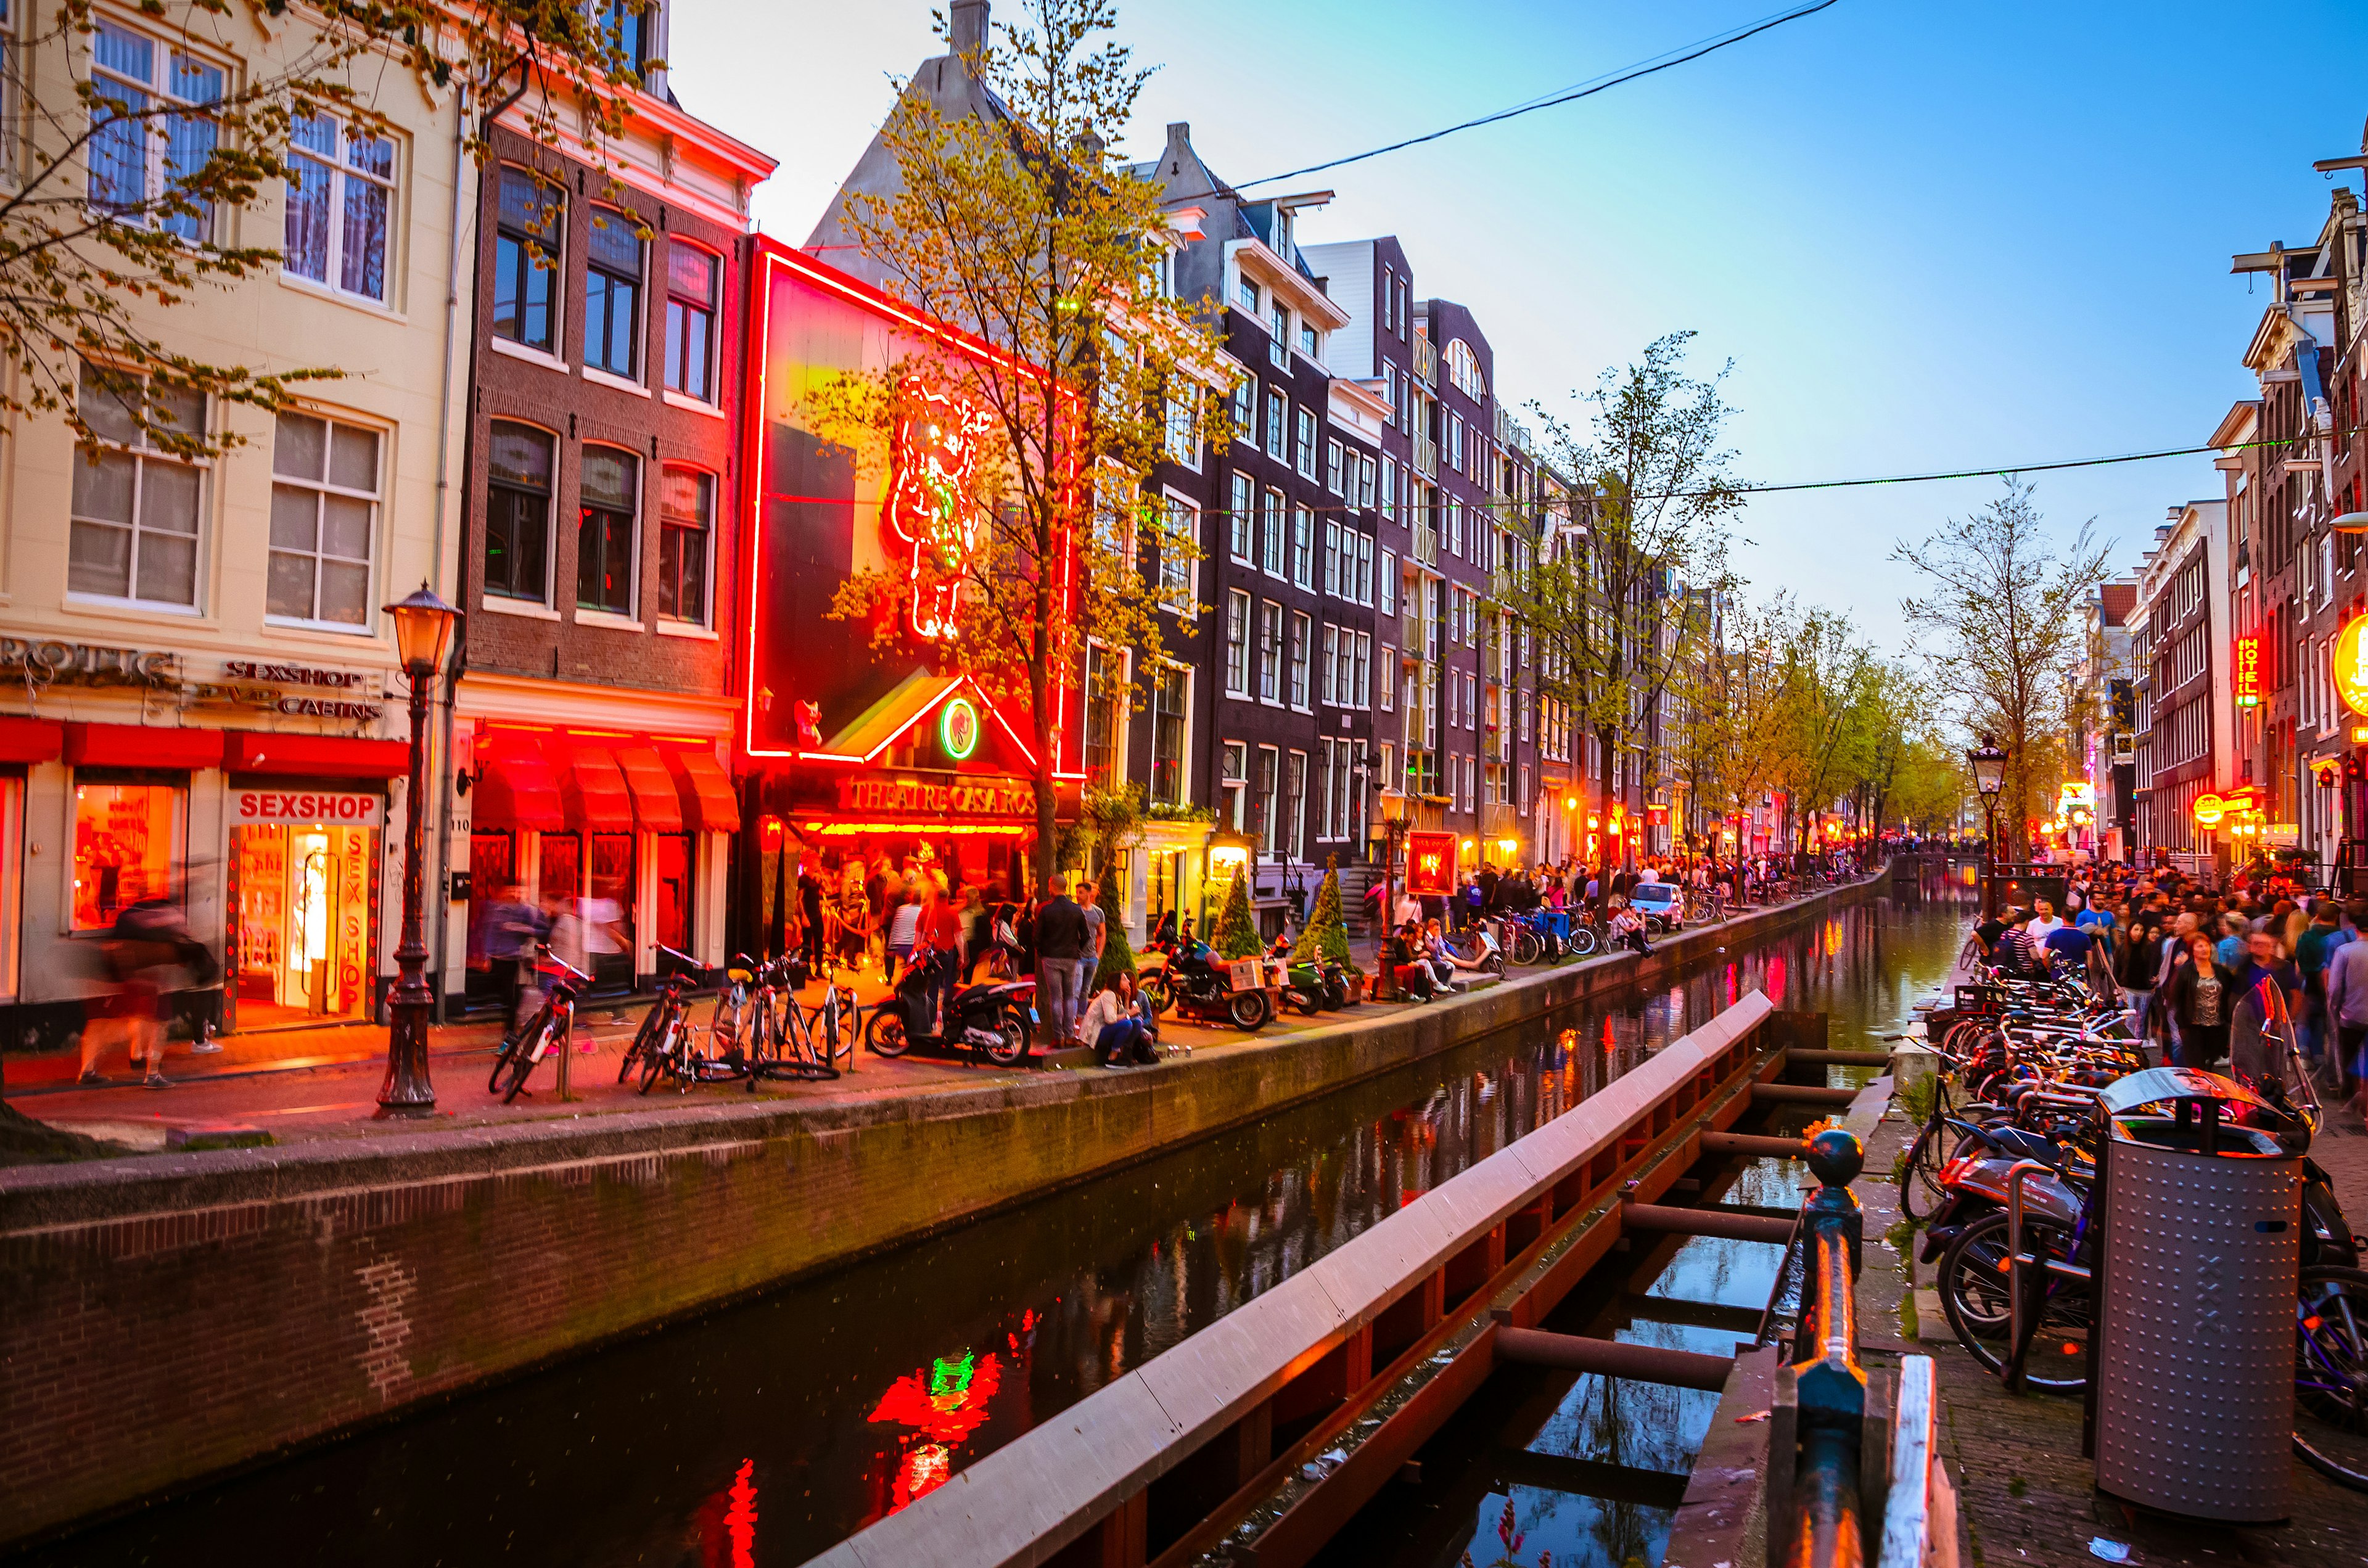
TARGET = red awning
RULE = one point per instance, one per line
(592, 788)
(709, 803)
(31, 740)
(142, 745)
(515, 787)
(656, 805)
(327, 756)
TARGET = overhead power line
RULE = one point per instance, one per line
(2002, 471)
(1601, 85)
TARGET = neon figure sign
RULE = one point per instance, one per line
(933, 463)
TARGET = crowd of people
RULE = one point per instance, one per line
(2196, 964)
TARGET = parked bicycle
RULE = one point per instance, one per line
(552, 1028)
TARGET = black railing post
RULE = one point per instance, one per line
(1823, 1523)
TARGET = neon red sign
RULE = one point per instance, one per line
(929, 506)
(1431, 864)
(2248, 671)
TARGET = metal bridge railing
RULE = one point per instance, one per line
(1850, 1479)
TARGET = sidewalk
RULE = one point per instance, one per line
(314, 1084)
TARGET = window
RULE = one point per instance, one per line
(628, 24)
(1278, 424)
(1389, 582)
(1333, 457)
(1302, 632)
(1245, 410)
(340, 206)
(1246, 292)
(1327, 689)
(1235, 761)
(1362, 689)
(611, 486)
(1270, 651)
(1294, 803)
(526, 258)
(1309, 342)
(1177, 555)
(324, 490)
(691, 277)
(1105, 708)
(1521, 703)
(517, 513)
(135, 173)
(1330, 761)
(1364, 569)
(1262, 800)
(1303, 545)
(135, 512)
(1183, 432)
(1279, 334)
(1171, 696)
(1242, 519)
(1332, 584)
(687, 521)
(1271, 532)
(1237, 643)
(1390, 391)
(1366, 469)
(612, 291)
(1389, 687)
(1307, 443)
(127, 848)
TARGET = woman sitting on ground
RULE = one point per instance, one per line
(1401, 953)
(1444, 959)
(1123, 1032)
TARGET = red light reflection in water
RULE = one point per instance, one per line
(727, 1522)
(943, 1406)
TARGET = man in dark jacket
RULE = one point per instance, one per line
(1061, 939)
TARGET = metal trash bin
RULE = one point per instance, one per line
(2191, 1365)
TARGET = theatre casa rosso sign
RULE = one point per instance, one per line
(985, 798)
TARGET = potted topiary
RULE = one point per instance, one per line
(1326, 936)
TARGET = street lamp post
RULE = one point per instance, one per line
(1394, 808)
(423, 636)
(1988, 761)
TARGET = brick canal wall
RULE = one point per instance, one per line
(171, 1318)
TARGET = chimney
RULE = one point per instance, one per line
(969, 26)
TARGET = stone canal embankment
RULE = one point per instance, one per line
(176, 1317)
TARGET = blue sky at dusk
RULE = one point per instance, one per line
(1930, 235)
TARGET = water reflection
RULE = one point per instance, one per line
(841, 1399)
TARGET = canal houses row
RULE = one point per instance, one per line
(558, 416)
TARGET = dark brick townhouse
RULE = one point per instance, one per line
(600, 560)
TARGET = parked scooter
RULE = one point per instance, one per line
(1312, 985)
(1191, 978)
(994, 1019)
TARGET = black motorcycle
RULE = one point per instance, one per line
(1191, 978)
(995, 1019)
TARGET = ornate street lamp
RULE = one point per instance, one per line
(1396, 808)
(1988, 763)
(423, 637)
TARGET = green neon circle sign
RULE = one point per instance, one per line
(958, 729)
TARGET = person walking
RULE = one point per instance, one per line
(1061, 940)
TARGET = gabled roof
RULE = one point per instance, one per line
(2116, 600)
(908, 702)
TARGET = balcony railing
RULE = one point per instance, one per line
(1426, 362)
(1425, 455)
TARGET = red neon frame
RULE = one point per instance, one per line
(765, 254)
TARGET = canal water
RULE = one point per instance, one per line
(764, 1433)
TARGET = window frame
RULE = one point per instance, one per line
(342, 170)
(142, 454)
(1269, 652)
(712, 370)
(637, 328)
(156, 153)
(550, 517)
(1238, 656)
(668, 527)
(633, 549)
(321, 489)
(550, 247)
(1241, 520)
(1302, 633)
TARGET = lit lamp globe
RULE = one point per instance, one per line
(423, 631)
(1988, 763)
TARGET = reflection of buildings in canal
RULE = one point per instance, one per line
(943, 1406)
(725, 1523)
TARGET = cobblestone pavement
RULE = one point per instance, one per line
(2028, 1495)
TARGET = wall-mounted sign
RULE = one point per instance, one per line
(2209, 809)
(2351, 664)
(2246, 671)
(959, 728)
(1431, 864)
(327, 808)
(930, 508)
(88, 664)
(889, 794)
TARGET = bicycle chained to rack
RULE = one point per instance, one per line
(550, 1028)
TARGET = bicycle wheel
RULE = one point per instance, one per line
(641, 1043)
(663, 1056)
(1525, 948)
(511, 1045)
(885, 1034)
(1972, 1283)
(1920, 1193)
(2331, 1374)
(523, 1060)
(1583, 941)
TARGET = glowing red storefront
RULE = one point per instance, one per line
(864, 758)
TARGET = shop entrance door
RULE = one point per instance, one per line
(304, 919)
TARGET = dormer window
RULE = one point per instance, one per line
(1309, 343)
(1282, 233)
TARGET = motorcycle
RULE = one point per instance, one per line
(1314, 984)
(994, 1019)
(1191, 978)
